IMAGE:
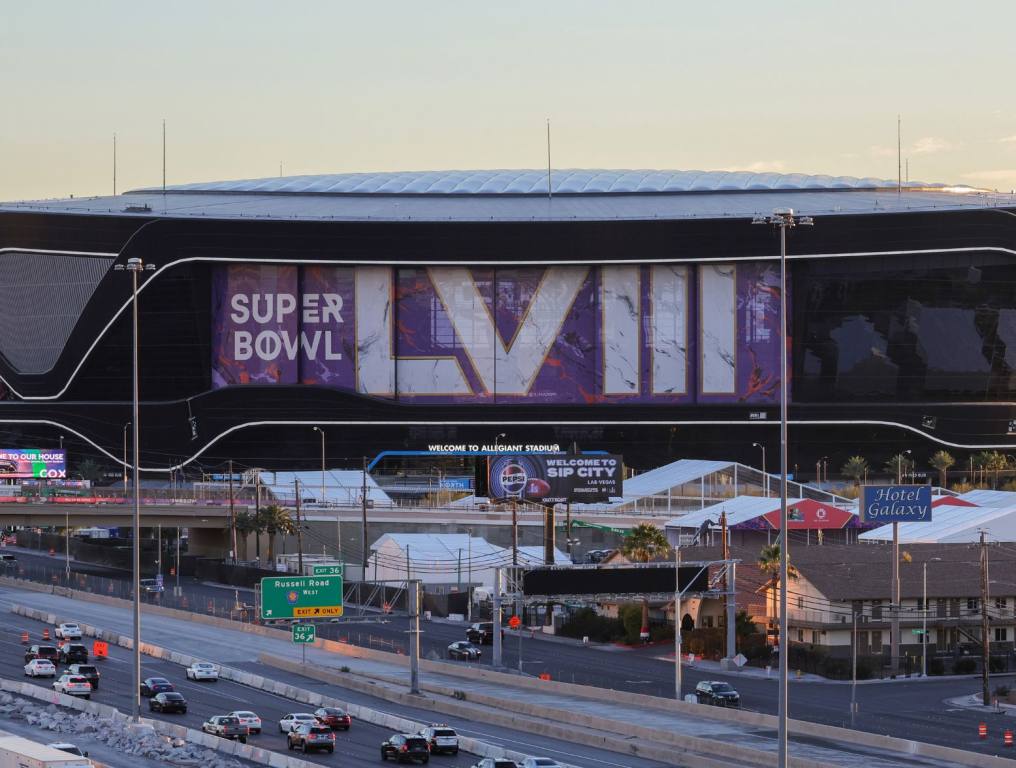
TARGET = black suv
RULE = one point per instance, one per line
(405, 748)
(718, 693)
(42, 652)
(87, 671)
(481, 633)
(73, 653)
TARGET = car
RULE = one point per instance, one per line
(248, 718)
(719, 693)
(405, 748)
(481, 633)
(168, 701)
(8, 561)
(496, 762)
(73, 685)
(540, 762)
(462, 649)
(441, 738)
(202, 670)
(153, 685)
(72, 653)
(87, 671)
(334, 718)
(308, 736)
(151, 586)
(66, 746)
(40, 668)
(293, 719)
(48, 652)
(226, 727)
(68, 631)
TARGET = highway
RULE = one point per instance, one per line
(914, 709)
(359, 746)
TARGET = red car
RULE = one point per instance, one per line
(335, 718)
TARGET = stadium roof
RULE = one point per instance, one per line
(521, 195)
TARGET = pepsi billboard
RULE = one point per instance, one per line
(555, 478)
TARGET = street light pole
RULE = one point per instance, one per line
(924, 621)
(765, 477)
(338, 521)
(125, 464)
(894, 638)
(134, 266)
(783, 218)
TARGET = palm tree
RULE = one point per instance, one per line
(275, 521)
(991, 461)
(855, 467)
(643, 543)
(246, 523)
(769, 563)
(941, 461)
(899, 465)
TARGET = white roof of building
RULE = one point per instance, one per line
(739, 510)
(449, 547)
(953, 525)
(341, 486)
(984, 497)
(658, 481)
(575, 181)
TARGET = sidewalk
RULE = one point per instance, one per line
(232, 647)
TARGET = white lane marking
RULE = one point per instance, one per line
(540, 749)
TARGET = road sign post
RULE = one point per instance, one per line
(301, 597)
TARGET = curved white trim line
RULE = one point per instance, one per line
(400, 263)
(502, 422)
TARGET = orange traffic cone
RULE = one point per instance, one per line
(24, 637)
(45, 634)
(1007, 738)
(982, 730)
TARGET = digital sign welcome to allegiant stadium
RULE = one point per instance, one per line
(661, 333)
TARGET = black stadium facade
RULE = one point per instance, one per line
(635, 312)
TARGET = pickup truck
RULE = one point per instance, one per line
(226, 727)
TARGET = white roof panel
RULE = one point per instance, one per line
(739, 510)
(953, 525)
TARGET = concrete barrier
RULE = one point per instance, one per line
(225, 746)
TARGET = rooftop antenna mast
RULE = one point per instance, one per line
(163, 155)
(114, 164)
(550, 191)
(899, 158)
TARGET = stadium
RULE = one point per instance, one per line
(635, 312)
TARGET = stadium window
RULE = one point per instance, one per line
(876, 610)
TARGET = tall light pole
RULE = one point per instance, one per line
(765, 477)
(125, 464)
(894, 638)
(338, 521)
(782, 219)
(135, 265)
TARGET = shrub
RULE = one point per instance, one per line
(964, 666)
(631, 619)
(996, 664)
(865, 669)
(936, 667)
(586, 622)
(836, 668)
(1001, 691)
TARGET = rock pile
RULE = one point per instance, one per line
(120, 735)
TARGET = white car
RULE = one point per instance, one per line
(68, 631)
(73, 685)
(248, 718)
(293, 719)
(40, 668)
(540, 762)
(202, 670)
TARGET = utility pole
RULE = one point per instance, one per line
(257, 515)
(853, 669)
(414, 637)
(726, 594)
(496, 659)
(299, 530)
(677, 622)
(567, 528)
(985, 640)
(363, 523)
(232, 513)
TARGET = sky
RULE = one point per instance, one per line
(328, 87)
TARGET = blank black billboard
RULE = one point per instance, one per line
(605, 581)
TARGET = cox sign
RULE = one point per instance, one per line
(24, 463)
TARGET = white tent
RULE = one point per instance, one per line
(343, 487)
(446, 558)
(953, 525)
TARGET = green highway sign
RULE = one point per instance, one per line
(917, 631)
(301, 597)
(329, 570)
(304, 633)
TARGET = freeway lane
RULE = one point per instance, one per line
(358, 746)
(907, 709)
(206, 699)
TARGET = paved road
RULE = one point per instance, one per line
(360, 746)
(914, 709)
